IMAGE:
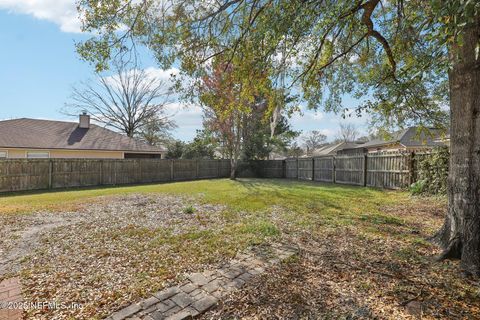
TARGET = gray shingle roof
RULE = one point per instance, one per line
(333, 148)
(409, 138)
(48, 134)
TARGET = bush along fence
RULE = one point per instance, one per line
(382, 170)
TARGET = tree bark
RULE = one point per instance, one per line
(233, 169)
(460, 234)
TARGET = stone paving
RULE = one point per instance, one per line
(202, 291)
(10, 293)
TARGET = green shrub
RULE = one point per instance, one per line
(189, 210)
(418, 187)
(432, 173)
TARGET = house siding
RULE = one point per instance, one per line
(65, 154)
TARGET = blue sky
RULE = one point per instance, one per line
(39, 66)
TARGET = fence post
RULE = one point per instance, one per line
(50, 173)
(284, 169)
(298, 170)
(101, 173)
(313, 168)
(334, 170)
(218, 168)
(411, 168)
(196, 169)
(172, 174)
(115, 169)
(365, 170)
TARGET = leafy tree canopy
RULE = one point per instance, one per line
(202, 147)
(394, 50)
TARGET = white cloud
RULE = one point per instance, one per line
(150, 74)
(160, 74)
(61, 12)
(188, 118)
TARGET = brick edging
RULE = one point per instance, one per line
(202, 291)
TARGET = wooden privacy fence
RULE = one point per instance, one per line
(35, 174)
(383, 170)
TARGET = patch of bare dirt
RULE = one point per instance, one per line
(111, 252)
(20, 236)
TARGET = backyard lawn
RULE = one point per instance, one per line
(363, 252)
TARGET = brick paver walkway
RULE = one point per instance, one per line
(10, 293)
(203, 290)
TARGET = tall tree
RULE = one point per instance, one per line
(314, 139)
(156, 131)
(229, 94)
(129, 101)
(409, 56)
(259, 143)
(347, 133)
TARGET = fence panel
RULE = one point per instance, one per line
(388, 170)
(184, 169)
(324, 169)
(68, 173)
(155, 170)
(291, 169)
(224, 168)
(19, 175)
(208, 169)
(349, 169)
(272, 168)
(305, 169)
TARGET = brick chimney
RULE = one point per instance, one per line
(84, 121)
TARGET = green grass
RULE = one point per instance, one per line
(250, 204)
(242, 195)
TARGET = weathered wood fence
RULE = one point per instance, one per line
(36, 174)
(383, 170)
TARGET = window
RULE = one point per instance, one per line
(3, 154)
(38, 154)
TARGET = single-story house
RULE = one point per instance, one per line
(333, 149)
(407, 140)
(33, 138)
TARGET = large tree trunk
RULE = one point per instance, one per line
(460, 235)
(233, 168)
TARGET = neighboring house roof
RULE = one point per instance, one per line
(333, 148)
(408, 138)
(48, 134)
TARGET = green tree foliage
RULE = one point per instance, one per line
(258, 143)
(175, 149)
(432, 173)
(202, 147)
(397, 51)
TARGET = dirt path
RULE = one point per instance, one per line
(21, 235)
